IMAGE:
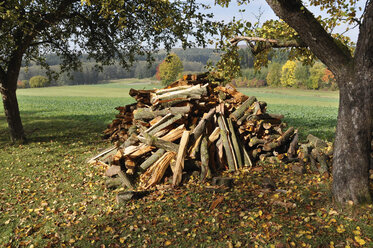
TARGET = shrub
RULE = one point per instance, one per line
(288, 74)
(39, 81)
(21, 84)
(170, 69)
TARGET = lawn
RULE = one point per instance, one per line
(49, 196)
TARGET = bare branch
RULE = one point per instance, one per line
(270, 43)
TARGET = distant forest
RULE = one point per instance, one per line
(280, 73)
(194, 61)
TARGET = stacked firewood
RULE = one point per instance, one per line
(192, 125)
(317, 153)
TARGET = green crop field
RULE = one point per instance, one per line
(49, 196)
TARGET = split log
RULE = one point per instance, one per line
(241, 110)
(160, 168)
(280, 141)
(321, 158)
(179, 166)
(200, 128)
(103, 153)
(231, 90)
(112, 171)
(214, 135)
(194, 149)
(174, 134)
(159, 143)
(147, 113)
(152, 159)
(168, 90)
(316, 142)
(172, 102)
(293, 147)
(236, 147)
(255, 140)
(125, 180)
(196, 92)
(227, 147)
(164, 124)
(158, 121)
(205, 169)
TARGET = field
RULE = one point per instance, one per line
(49, 196)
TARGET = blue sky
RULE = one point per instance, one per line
(252, 10)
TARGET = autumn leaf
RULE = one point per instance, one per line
(360, 240)
(216, 202)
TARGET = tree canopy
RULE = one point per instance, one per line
(108, 31)
(169, 69)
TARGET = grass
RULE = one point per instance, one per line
(49, 196)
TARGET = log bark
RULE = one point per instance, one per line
(147, 113)
(200, 128)
(320, 157)
(152, 159)
(159, 143)
(316, 142)
(293, 147)
(160, 168)
(236, 146)
(194, 92)
(164, 124)
(236, 115)
(226, 144)
(231, 90)
(280, 141)
(125, 180)
(214, 135)
(205, 169)
(179, 166)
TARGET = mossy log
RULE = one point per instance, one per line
(226, 144)
(148, 113)
(236, 115)
(152, 159)
(236, 146)
(205, 169)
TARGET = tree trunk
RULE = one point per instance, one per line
(352, 142)
(13, 117)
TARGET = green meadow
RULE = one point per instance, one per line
(50, 196)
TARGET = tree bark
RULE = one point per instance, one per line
(352, 143)
(13, 117)
(354, 76)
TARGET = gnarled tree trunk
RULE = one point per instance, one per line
(352, 143)
(12, 114)
(354, 75)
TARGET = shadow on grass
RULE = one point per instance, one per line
(64, 129)
(322, 128)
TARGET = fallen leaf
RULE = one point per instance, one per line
(216, 202)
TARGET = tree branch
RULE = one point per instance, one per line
(268, 43)
(334, 54)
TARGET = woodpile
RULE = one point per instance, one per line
(192, 125)
(317, 153)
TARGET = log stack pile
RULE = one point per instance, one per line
(192, 125)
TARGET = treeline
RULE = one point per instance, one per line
(194, 61)
(282, 72)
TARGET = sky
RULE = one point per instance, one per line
(255, 7)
